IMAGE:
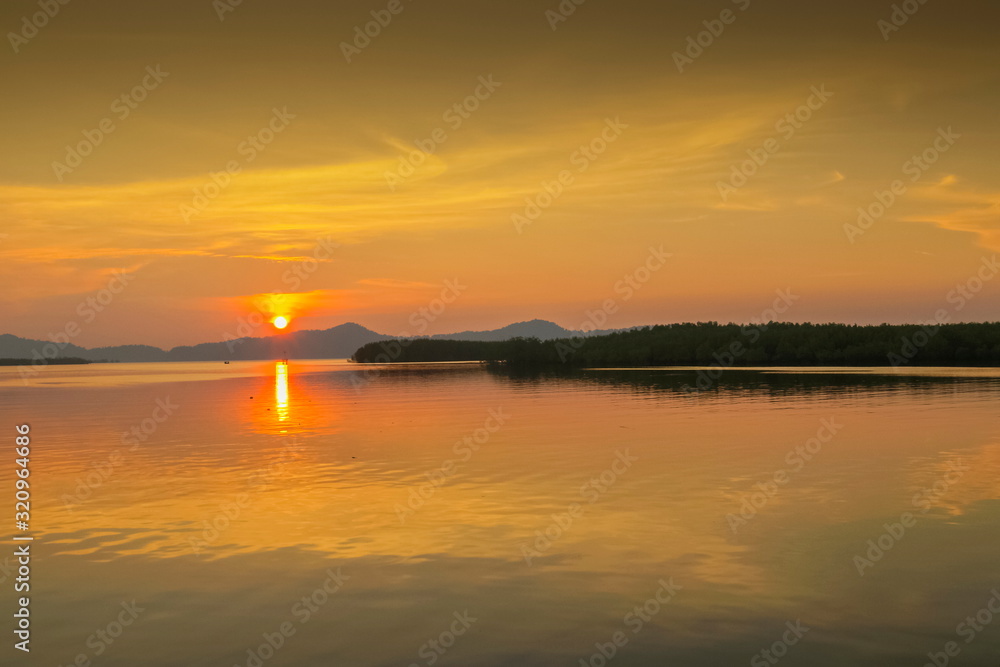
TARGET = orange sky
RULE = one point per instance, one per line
(314, 182)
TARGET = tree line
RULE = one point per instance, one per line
(711, 343)
(7, 361)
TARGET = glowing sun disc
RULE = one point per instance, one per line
(280, 322)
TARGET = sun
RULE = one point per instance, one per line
(280, 322)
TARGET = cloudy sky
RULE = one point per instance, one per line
(117, 114)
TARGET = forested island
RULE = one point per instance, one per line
(711, 343)
(54, 361)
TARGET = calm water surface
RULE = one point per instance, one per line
(547, 513)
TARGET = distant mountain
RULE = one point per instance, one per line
(22, 348)
(337, 343)
(540, 329)
(340, 342)
(127, 353)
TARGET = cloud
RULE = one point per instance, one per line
(390, 283)
(966, 210)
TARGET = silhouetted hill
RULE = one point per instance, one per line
(25, 348)
(127, 353)
(540, 329)
(336, 343)
(339, 342)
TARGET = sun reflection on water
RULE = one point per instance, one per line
(281, 390)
